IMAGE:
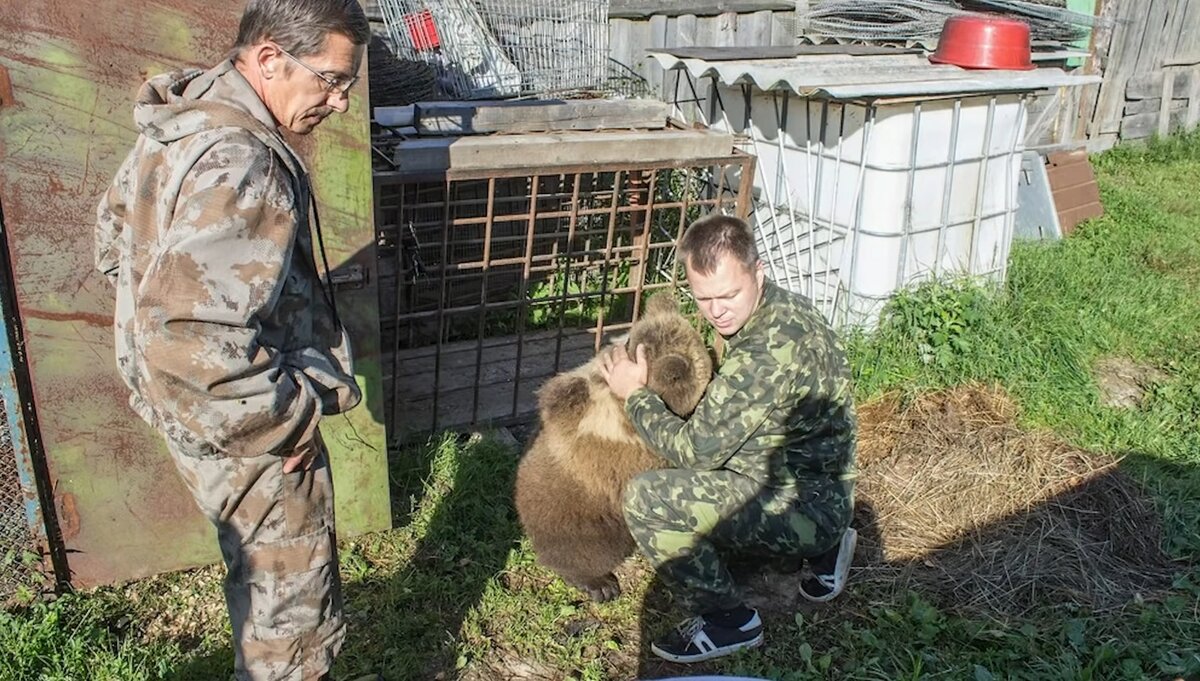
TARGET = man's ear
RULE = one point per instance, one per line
(268, 59)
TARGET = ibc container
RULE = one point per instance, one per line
(857, 200)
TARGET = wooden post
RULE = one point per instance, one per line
(1168, 94)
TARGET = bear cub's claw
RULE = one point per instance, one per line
(603, 589)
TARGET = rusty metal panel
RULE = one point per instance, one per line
(64, 129)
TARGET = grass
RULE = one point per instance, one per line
(453, 591)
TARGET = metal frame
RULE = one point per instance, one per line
(29, 464)
(499, 231)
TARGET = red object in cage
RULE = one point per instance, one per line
(421, 30)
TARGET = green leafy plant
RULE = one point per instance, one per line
(937, 317)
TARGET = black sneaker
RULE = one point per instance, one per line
(698, 639)
(830, 570)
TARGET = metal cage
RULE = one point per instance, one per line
(493, 282)
(503, 48)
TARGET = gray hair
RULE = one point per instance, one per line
(709, 238)
(302, 26)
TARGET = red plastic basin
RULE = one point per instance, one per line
(981, 41)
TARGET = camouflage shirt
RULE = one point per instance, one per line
(780, 409)
(224, 335)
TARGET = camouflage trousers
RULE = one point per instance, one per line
(683, 519)
(276, 533)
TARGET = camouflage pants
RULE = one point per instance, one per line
(682, 518)
(276, 533)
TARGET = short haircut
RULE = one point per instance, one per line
(302, 26)
(708, 239)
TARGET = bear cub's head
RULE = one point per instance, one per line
(680, 364)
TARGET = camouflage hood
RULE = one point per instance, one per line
(175, 105)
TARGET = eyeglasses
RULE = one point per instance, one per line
(340, 85)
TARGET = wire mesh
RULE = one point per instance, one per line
(19, 556)
(481, 49)
(491, 285)
(921, 21)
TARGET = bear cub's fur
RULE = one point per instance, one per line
(570, 480)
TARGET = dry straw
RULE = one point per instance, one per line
(956, 500)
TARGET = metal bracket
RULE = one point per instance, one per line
(352, 277)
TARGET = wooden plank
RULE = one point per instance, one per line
(1141, 106)
(678, 88)
(1144, 125)
(1193, 108)
(783, 28)
(548, 149)
(752, 31)
(1150, 85)
(1153, 49)
(726, 29)
(1129, 29)
(1189, 37)
(454, 118)
(641, 9)
(709, 53)
(658, 28)
(1164, 111)
(620, 42)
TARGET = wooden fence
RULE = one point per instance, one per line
(1149, 41)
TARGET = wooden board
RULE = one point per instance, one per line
(1139, 126)
(1147, 85)
(545, 150)
(643, 9)
(469, 118)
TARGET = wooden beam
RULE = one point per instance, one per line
(1164, 111)
(1150, 85)
(1193, 108)
(558, 149)
(468, 118)
(641, 9)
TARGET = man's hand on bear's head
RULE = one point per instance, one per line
(623, 374)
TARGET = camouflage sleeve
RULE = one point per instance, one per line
(742, 396)
(220, 268)
(110, 221)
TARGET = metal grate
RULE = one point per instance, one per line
(19, 555)
(492, 284)
(503, 48)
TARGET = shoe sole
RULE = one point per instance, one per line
(841, 570)
(719, 652)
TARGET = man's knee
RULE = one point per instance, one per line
(643, 494)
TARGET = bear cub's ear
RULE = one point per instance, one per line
(662, 302)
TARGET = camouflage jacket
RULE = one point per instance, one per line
(224, 333)
(779, 410)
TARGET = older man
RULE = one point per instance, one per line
(764, 465)
(225, 333)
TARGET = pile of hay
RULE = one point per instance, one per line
(955, 500)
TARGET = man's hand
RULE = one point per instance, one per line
(624, 375)
(303, 457)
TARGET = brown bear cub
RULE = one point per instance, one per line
(570, 480)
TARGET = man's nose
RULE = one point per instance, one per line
(338, 101)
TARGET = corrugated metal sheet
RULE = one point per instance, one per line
(841, 76)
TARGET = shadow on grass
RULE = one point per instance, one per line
(1076, 586)
(455, 501)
